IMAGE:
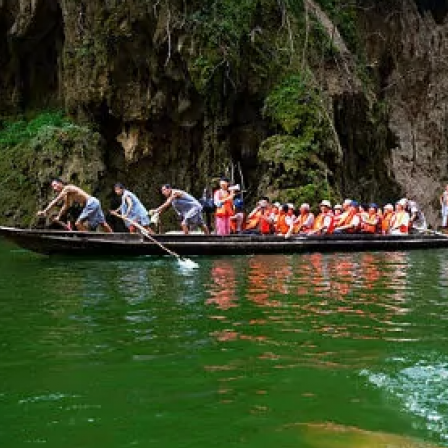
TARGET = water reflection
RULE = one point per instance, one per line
(260, 342)
(338, 312)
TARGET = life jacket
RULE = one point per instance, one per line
(385, 223)
(319, 221)
(281, 227)
(298, 225)
(337, 219)
(344, 218)
(369, 223)
(265, 226)
(255, 221)
(398, 221)
(226, 208)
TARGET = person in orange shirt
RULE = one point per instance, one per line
(259, 219)
(223, 199)
(285, 221)
(388, 213)
(324, 223)
(370, 220)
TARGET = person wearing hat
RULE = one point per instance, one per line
(350, 221)
(305, 221)
(131, 208)
(337, 212)
(259, 220)
(370, 221)
(324, 223)
(275, 212)
(399, 224)
(223, 199)
(285, 221)
(388, 213)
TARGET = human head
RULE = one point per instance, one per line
(354, 204)
(337, 209)
(119, 188)
(57, 184)
(373, 208)
(263, 203)
(304, 208)
(346, 204)
(224, 183)
(325, 205)
(400, 205)
(388, 208)
(166, 190)
(285, 208)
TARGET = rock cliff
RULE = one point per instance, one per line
(294, 97)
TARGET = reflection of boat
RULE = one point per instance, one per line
(92, 243)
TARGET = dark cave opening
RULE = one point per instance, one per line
(438, 9)
(37, 55)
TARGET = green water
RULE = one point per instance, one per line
(261, 351)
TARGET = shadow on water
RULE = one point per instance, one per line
(311, 351)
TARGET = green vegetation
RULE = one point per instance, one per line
(18, 131)
(295, 154)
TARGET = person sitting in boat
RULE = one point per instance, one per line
(350, 221)
(223, 199)
(275, 212)
(237, 219)
(259, 219)
(417, 220)
(186, 206)
(388, 213)
(370, 220)
(399, 223)
(337, 213)
(285, 221)
(131, 209)
(305, 221)
(324, 223)
(92, 214)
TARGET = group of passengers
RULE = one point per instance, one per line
(350, 217)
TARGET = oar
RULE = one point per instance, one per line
(184, 262)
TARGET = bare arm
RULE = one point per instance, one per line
(59, 197)
(129, 204)
(167, 203)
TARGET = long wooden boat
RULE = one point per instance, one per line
(52, 242)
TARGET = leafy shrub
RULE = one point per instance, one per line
(13, 133)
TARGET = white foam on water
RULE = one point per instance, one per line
(423, 390)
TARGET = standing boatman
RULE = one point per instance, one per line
(131, 209)
(91, 212)
(186, 206)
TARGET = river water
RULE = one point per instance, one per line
(305, 351)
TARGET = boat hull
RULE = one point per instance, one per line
(123, 244)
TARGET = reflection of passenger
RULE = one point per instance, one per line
(260, 282)
(223, 289)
